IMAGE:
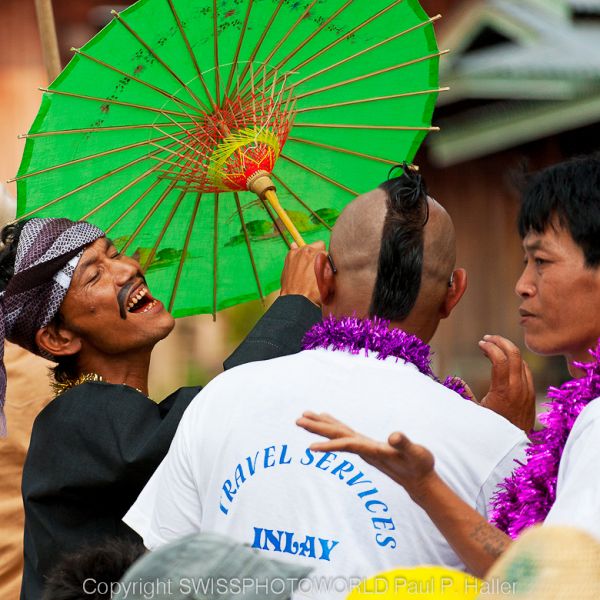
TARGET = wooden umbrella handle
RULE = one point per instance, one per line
(46, 25)
(261, 184)
(273, 200)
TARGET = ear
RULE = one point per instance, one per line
(455, 292)
(58, 341)
(325, 279)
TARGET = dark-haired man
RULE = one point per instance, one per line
(559, 223)
(238, 465)
(70, 296)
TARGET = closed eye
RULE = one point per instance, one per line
(94, 278)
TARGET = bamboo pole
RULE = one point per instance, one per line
(47, 27)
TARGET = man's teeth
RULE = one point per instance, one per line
(135, 299)
(149, 306)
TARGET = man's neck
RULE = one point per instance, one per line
(423, 329)
(584, 357)
(131, 370)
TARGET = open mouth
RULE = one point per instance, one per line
(140, 301)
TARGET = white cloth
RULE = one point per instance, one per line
(578, 487)
(240, 466)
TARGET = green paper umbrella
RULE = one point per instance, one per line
(158, 127)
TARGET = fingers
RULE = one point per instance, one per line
(298, 275)
(364, 447)
(324, 417)
(324, 425)
(468, 391)
(529, 380)
(399, 441)
(504, 356)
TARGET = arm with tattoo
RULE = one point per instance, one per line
(475, 541)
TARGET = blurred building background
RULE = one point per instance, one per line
(525, 87)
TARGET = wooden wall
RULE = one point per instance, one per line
(483, 202)
(21, 73)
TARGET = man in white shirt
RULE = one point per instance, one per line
(559, 223)
(238, 464)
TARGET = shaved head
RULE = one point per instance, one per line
(394, 251)
(355, 245)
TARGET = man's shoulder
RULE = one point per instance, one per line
(95, 400)
(254, 371)
(589, 417)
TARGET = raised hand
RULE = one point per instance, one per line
(406, 463)
(511, 392)
(298, 275)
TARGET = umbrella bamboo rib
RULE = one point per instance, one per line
(344, 151)
(375, 99)
(301, 202)
(191, 53)
(147, 217)
(139, 178)
(324, 177)
(160, 60)
(364, 51)
(347, 35)
(215, 250)
(89, 183)
(190, 132)
(264, 63)
(171, 151)
(238, 48)
(184, 252)
(275, 222)
(154, 208)
(134, 78)
(101, 129)
(248, 245)
(372, 74)
(121, 191)
(166, 226)
(152, 186)
(137, 201)
(379, 127)
(181, 142)
(308, 39)
(118, 102)
(216, 51)
(260, 41)
(89, 157)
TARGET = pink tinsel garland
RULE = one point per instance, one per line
(526, 497)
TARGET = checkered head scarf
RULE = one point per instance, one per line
(47, 254)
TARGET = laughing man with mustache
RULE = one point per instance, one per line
(70, 296)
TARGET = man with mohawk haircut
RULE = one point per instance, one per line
(388, 280)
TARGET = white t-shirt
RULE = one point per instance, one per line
(240, 466)
(578, 487)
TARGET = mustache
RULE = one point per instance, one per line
(124, 293)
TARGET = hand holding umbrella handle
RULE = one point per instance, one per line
(261, 184)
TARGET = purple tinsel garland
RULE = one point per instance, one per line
(526, 497)
(374, 336)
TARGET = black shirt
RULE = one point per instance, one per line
(94, 447)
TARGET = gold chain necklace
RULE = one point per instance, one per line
(61, 387)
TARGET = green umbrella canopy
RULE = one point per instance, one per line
(327, 95)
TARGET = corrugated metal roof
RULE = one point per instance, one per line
(589, 6)
(558, 47)
(545, 80)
